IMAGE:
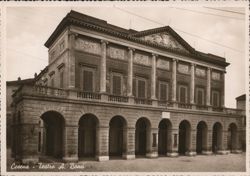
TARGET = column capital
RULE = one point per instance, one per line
(192, 64)
(153, 54)
(73, 33)
(104, 42)
(175, 60)
(131, 49)
(209, 68)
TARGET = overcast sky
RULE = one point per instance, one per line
(28, 28)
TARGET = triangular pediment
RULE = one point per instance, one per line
(166, 37)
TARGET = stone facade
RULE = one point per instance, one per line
(106, 93)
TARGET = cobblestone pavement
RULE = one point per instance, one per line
(199, 163)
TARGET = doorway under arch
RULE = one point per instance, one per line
(117, 137)
(53, 134)
(142, 136)
(164, 137)
(217, 137)
(201, 137)
(184, 137)
(232, 137)
(87, 133)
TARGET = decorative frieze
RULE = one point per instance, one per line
(183, 68)
(88, 46)
(164, 39)
(200, 72)
(163, 64)
(141, 59)
(216, 76)
(57, 50)
(116, 53)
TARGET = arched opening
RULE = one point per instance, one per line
(53, 134)
(117, 138)
(184, 137)
(88, 124)
(142, 136)
(232, 137)
(201, 137)
(217, 137)
(164, 137)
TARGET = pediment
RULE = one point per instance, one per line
(164, 39)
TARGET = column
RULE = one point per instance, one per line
(152, 143)
(174, 81)
(102, 145)
(130, 75)
(192, 143)
(208, 87)
(71, 61)
(71, 143)
(153, 77)
(222, 148)
(192, 84)
(129, 143)
(103, 67)
(223, 91)
(173, 150)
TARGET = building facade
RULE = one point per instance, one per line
(108, 91)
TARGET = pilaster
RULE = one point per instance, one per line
(103, 66)
(129, 144)
(102, 145)
(152, 150)
(174, 82)
(130, 72)
(71, 60)
(173, 150)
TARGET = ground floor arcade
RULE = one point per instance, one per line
(92, 136)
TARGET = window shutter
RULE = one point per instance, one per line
(215, 99)
(134, 87)
(163, 92)
(183, 95)
(200, 98)
(87, 81)
(141, 89)
(61, 80)
(116, 85)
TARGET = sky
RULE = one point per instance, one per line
(220, 31)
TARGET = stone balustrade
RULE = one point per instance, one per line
(95, 96)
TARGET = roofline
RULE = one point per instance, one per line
(18, 82)
(69, 20)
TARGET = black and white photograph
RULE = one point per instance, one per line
(124, 88)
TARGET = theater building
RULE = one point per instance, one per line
(112, 92)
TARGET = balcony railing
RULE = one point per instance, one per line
(116, 98)
(143, 101)
(184, 105)
(201, 107)
(88, 95)
(94, 96)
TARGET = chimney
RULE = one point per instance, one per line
(35, 75)
(19, 79)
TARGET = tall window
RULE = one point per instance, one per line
(215, 98)
(182, 94)
(88, 80)
(116, 84)
(163, 91)
(140, 87)
(200, 100)
(52, 82)
(61, 79)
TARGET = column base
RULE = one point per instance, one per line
(152, 155)
(190, 153)
(70, 159)
(206, 152)
(223, 152)
(236, 151)
(31, 160)
(102, 158)
(131, 100)
(154, 102)
(173, 154)
(128, 157)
